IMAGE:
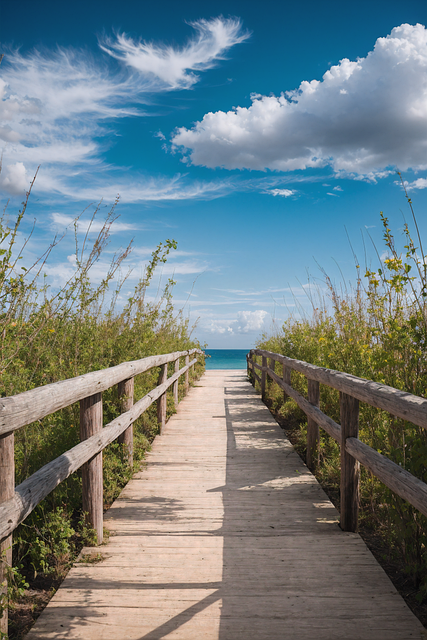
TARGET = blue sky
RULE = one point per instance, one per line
(257, 135)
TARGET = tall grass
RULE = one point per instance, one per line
(379, 332)
(50, 334)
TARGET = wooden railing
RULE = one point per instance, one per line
(353, 451)
(20, 410)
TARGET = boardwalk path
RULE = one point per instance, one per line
(226, 536)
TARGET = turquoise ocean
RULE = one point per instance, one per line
(226, 358)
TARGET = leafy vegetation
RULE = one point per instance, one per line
(48, 335)
(378, 332)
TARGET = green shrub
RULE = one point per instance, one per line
(379, 333)
(48, 335)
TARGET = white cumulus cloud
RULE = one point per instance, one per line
(14, 179)
(249, 321)
(419, 183)
(363, 116)
(244, 322)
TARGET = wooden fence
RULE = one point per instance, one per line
(16, 503)
(353, 451)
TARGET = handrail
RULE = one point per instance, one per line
(352, 389)
(400, 403)
(17, 411)
(33, 405)
(29, 406)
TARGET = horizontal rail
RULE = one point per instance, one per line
(352, 389)
(391, 474)
(310, 410)
(399, 403)
(35, 488)
(29, 406)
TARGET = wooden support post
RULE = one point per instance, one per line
(161, 402)
(286, 378)
(272, 366)
(263, 377)
(125, 390)
(175, 386)
(92, 487)
(186, 378)
(249, 365)
(312, 426)
(349, 408)
(7, 490)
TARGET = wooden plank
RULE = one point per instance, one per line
(17, 411)
(92, 481)
(350, 472)
(398, 403)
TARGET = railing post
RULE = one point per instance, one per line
(272, 367)
(175, 385)
(312, 426)
(286, 378)
(186, 377)
(161, 402)
(92, 487)
(349, 409)
(263, 377)
(125, 391)
(249, 367)
(7, 490)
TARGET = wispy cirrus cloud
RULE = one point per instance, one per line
(58, 107)
(62, 221)
(364, 116)
(169, 68)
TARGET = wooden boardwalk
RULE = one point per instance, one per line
(225, 535)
